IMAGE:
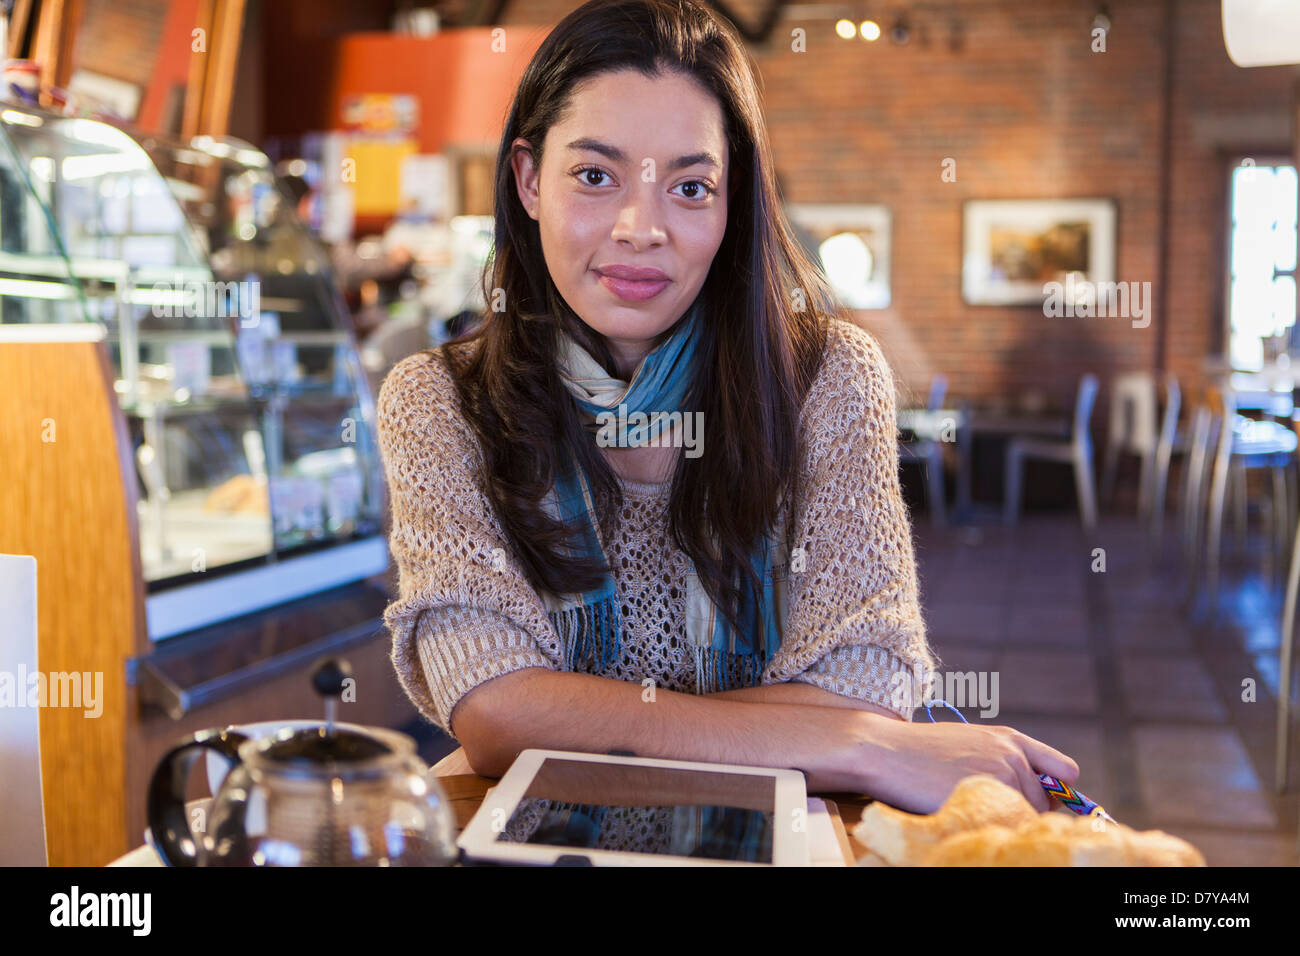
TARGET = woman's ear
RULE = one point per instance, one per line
(527, 175)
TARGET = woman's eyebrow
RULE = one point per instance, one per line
(702, 158)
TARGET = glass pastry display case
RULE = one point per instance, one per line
(250, 418)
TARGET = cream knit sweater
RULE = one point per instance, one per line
(465, 612)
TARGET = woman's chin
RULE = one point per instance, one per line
(626, 329)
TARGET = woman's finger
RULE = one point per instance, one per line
(1030, 785)
(1048, 760)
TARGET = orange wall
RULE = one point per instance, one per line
(464, 87)
(173, 61)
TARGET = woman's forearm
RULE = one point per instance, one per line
(800, 692)
(560, 710)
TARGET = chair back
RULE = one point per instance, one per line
(938, 392)
(1195, 486)
(1223, 408)
(1133, 412)
(1220, 400)
(1173, 403)
(1083, 403)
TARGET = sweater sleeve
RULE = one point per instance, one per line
(465, 612)
(854, 623)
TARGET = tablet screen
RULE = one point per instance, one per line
(638, 809)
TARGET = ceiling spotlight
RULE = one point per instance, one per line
(900, 33)
(870, 30)
(845, 29)
(1101, 20)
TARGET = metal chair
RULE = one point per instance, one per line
(1077, 452)
(1166, 446)
(928, 452)
(1243, 445)
(1132, 432)
(1286, 657)
(1201, 441)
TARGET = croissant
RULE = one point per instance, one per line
(1059, 839)
(984, 822)
(900, 838)
(1055, 840)
(240, 493)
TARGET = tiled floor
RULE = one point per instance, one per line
(1110, 667)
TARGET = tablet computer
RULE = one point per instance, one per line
(561, 807)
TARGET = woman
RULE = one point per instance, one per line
(580, 567)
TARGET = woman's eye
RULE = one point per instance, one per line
(704, 188)
(590, 171)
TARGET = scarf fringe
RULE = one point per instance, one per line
(589, 634)
(717, 670)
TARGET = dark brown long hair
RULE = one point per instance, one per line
(765, 307)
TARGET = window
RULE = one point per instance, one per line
(1262, 204)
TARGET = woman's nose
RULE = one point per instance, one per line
(641, 217)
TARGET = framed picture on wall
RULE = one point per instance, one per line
(1011, 249)
(852, 243)
(471, 178)
(106, 92)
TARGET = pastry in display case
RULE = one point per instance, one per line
(300, 353)
(251, 420)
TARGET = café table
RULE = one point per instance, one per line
(466, 790)
(1277, 404)
(998, 423)
(932, 424)
(1269, 391)
(962, 426)
(929, 430)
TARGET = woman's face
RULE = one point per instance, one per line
(635, 176)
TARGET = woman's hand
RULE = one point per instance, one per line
(915, 766)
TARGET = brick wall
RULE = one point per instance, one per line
(1026, 110)
(119, 38)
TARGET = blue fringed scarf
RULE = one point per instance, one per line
(589, 623)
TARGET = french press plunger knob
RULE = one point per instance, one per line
(328, 678)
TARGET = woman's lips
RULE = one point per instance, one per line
(633, 290)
